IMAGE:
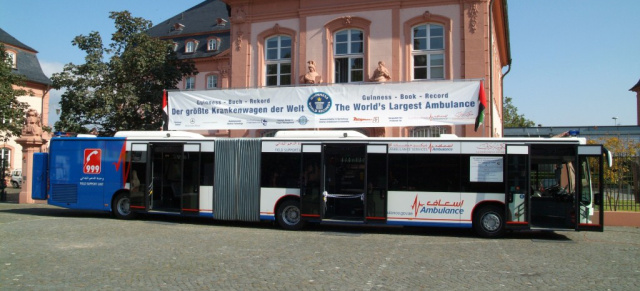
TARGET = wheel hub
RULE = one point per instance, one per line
(291, 215)
(491, 222)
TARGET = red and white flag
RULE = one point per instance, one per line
(164, 102)
(482, 99)
(165, 109)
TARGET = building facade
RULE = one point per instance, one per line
(24, 61)
(256, 44)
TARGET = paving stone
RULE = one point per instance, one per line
(45, 247)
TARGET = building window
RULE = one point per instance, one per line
(190, 83)
(278, 60)
(190, 47)
(428, 51)
(428, 131)
(178, 26)
(12, 59)
(175, 46)
(212, 82)
(269, 133)
(212, 44)
(349, 56)
(5, 153)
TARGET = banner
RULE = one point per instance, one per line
(330, 106)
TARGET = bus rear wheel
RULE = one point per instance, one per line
(121, 207)
(488, 221)
(288, 215)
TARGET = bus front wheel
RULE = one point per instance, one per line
(488, 221)
(121, 207)
(288, 215)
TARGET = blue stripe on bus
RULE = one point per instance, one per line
(206, 214)
(267, 217)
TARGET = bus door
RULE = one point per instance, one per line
(310, 182)
(517, 189)
(166, 174)
(554, 200)
(376, 183)
(190, 179)
(344, 183)
(139, 181)
(590, 202)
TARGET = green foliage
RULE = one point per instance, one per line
(510, 115)
(125, 91)
(625, 153)
(12, 111)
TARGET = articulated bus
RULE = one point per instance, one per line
(488, 184)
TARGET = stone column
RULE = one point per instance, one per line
(29, 145)
(31, 141)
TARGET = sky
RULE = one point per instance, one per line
(573, 61)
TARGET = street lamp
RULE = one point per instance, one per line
(615, 120)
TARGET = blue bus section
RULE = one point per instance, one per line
(40, 170)
(84, 173)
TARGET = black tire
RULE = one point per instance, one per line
(488, 221)
(15, 184)
(121, 207)
(288, 215)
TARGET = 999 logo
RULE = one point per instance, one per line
(92, 161)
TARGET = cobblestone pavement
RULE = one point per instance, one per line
(44, 247)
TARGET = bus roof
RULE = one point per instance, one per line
(158, 134)
(319, 134)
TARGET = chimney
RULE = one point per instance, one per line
(636, 88)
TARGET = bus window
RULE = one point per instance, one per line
(585, 181)
(398, 172)
(590, 192)
(206, 168)
(467, 185)
(191, 174)
(138, 176)
(434, 173)
(376, 185)
(281, 170)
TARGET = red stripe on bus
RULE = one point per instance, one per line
(136, 207)
(517, 222)
(586, 224)
(377, 218)
(310, 215)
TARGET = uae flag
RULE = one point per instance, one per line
(165, 111)
(482, 99)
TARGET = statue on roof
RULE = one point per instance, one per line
(312, 77)
(381, 73)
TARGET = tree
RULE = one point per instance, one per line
(12, 111)
(125, 92)
(510, 115)
(624, 170)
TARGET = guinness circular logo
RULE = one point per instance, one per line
(319, 103)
